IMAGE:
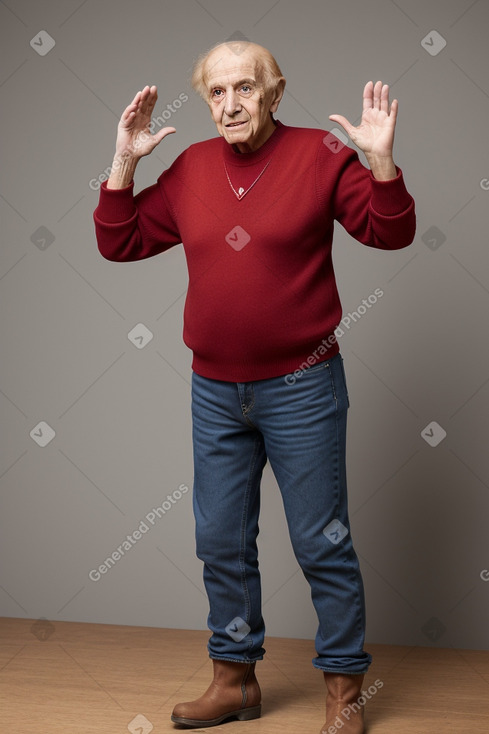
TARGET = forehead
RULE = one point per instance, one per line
(223, 65)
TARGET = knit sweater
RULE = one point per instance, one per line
(262, 294)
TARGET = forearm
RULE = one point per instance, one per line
(132, 227)
(122, 172)
(378, 213)
(383, 168)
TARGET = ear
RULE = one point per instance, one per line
(278, 94)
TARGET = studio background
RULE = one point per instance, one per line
(94, 380)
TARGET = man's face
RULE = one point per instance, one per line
(238, 102)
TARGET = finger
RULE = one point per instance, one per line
(394, 108)
(130, 112)
(377, 94)
(149, 96)
(149, 93)
(132, 106)
(145, 92)
(384, 98)
(163, 133)
(136, 99)
(345, 124)
(368, 95)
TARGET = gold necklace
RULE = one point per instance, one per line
(241, 192)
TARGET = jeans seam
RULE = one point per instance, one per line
(353, 575)
(242, 550)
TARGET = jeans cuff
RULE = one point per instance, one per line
(343, 671)
(228, 659)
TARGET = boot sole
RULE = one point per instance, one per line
(253, 712)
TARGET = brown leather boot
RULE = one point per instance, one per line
(343, 711)
(233, 693)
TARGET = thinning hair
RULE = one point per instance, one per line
(267, 66)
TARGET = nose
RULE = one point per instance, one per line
(232, 103)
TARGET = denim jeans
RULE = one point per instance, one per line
(299, 425)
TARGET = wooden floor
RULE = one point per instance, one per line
(102, 679)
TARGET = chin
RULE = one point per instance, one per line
(235, 139)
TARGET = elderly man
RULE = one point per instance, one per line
(254, 209)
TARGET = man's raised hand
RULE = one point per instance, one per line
(375, 133)
(134, 137)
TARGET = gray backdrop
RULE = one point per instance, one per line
(95, 412)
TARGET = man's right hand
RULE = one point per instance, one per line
(134, 137)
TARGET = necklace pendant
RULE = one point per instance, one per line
(241, 191)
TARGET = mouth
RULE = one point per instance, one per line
(234, 125)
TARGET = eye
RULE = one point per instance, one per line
(246, 89)
(216, 93)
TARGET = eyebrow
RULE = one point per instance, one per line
(247, 80)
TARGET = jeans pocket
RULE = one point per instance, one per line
(316, 367)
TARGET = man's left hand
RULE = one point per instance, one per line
(375, 133)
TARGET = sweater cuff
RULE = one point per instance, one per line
(116, 205)
(390, 197)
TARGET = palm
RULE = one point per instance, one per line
(134, 135)
(375, 133)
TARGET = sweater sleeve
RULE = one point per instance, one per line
(376, 213)
(132, 227)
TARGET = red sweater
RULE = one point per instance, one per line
(262, 295)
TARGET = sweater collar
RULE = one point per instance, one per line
(245, 159)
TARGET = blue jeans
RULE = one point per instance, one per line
(299, 424)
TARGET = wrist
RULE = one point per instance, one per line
(122, 170)
(383, 167)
